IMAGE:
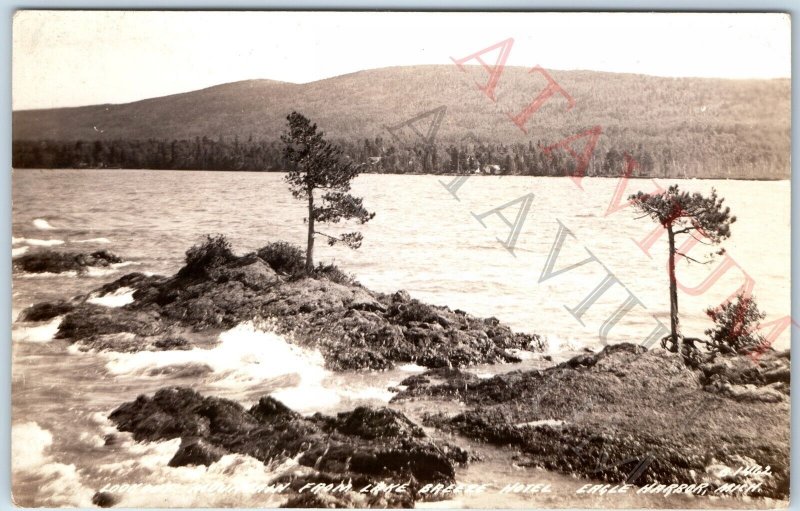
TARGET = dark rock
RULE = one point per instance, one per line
(105, 255)
(725, 370)
(492, 321)
(48, 261)
(251, 271)
(588, 415)
(112, 439)
(89, 321)
(350, 499)
(172, 343)
(453, 381)
(370, 444)
(415, 380)
(372, 423)
(104, 499)
(401, 296)
(268, 408)
(45, 311)
(196, 451)
(136, 281)
(189, 370)
(353, 327)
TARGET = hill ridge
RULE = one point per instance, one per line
(697, 127)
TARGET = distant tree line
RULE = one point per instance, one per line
(387, 155)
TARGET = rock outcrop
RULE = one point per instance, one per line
(367, 445)
(353, 327)
(50, 261)
(626, 413)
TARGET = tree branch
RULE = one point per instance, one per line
(327, 236)
(691, 258)
(701, 241)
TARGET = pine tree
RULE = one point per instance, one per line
(318, 165)
(684, 213)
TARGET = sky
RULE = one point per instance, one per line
(75, 58)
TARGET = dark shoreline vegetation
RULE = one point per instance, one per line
(597, 415)
(368, 172)
(204, 154)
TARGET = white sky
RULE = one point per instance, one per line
(63, 58)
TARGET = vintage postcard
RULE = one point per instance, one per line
(401, 259)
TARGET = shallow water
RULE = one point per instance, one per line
(422, 240)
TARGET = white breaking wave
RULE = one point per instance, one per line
(142, 478)
(139, 475)
(42, 224)
(245, 355)
(557, 345)
(120, 297)
(94, 271)
(523, 354)
(91, 271)
(412, 368)
(36, 242)
(47, 275)
(16, 252)
(93, 240)
(57, 484)
(39, 333)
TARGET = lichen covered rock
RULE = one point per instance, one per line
(603, 415)
(353, 327)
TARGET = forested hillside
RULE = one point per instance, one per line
(675, 127)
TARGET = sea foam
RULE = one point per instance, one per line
(120, 297)
(56, 484)
(42, 224)
(37, 242)
(93, 240)
(246, 355)
(39, 333)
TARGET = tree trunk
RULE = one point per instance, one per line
(673, 291)
(310, 243)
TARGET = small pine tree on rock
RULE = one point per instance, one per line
(736, 324)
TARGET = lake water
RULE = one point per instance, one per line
(422, 239)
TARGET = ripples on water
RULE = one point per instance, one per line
(422, 239)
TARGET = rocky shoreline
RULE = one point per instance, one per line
(366, 446)
(630, 415)
(353, 327)
(624, 414)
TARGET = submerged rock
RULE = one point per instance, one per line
(353, 327)
(50, 261)
(104, 499)
(367, 444)
(172, 343)
(626, 413)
